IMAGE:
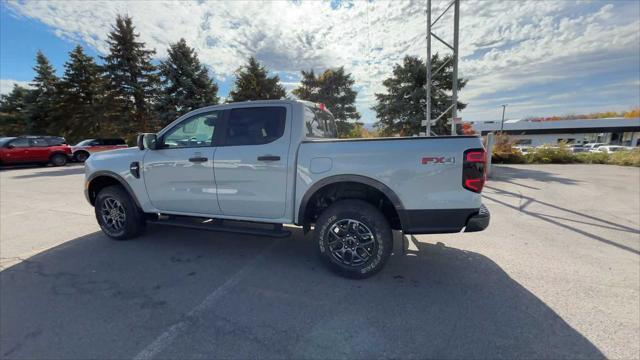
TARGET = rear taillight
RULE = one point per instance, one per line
(473, 169)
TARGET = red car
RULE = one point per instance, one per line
(34, 149)
(84, 148)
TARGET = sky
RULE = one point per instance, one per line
(542, 58)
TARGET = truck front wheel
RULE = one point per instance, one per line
(117, 214)
(354, 238)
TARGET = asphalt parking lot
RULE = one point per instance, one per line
(556, 275)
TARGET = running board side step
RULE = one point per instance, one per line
(220, 225)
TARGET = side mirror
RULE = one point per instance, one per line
(147, 141)
(10, 146)
(140, 141)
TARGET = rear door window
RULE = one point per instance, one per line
(38, 142)
(255, 125)
(55, 141)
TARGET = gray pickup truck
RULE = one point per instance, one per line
(252, 167)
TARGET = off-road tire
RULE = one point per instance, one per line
(58, 159)
(134, 221)
(372, 219)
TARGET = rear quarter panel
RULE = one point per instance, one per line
(396, 163)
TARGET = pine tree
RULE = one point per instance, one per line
(81, 92)
(252, 83)
(131, 80)
(14, 111)
(334, 88)
(42, 99)
(402, 109)
(185, 83)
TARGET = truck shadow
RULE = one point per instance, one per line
(71, 169)
(93, 297)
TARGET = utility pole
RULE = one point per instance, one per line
(454, 83)
(502, 122)
(454, 59)
(427, 84)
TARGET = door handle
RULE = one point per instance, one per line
(198, 159)
(269, 158)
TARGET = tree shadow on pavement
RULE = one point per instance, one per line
(564, 222)
(256, 297)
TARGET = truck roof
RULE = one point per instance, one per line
(271, 102)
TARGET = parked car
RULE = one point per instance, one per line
(279, 162)
(84, 148)
(577, 148)
(611, 148)
(34, 149)
(524, 150)
(592, 146)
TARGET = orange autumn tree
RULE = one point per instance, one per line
(467, 129)
(634, 113)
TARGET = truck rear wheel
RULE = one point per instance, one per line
(354, 238)
(117, 214)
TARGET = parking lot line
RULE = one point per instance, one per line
(168, 336)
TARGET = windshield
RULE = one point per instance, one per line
(84, 142)
(5, 140)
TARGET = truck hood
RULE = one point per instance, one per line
(120, 156)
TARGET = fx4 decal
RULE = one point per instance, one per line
(438, 160)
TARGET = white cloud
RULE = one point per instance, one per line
(504, 45)
(6, 85)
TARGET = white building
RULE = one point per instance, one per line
(615, 131)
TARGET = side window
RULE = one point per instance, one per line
(20, 143)
(315, 128)
(38, 142)
(55, 141)
(196, 131)
(255, 125)
(319, 124)
(95, 143)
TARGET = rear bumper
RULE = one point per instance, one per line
(479, 221)
(441, 221)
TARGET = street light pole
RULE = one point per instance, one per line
(427, 84)
(502, 122)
